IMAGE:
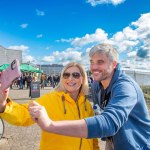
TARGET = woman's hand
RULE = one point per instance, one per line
(39, 115)
(3, 98)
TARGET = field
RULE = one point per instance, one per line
(146, 91)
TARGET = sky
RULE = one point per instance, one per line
(60, 31)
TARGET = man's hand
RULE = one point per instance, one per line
(75, 128)
(39, 115)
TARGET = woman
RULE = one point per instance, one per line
(67, 101)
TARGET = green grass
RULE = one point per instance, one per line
(147, 96)
(146, 91)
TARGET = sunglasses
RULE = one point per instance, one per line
(75, 75)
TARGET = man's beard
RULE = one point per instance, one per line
(102, 77)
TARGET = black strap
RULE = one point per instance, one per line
(100, 97)
(105, 99)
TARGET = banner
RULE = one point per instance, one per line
(35, 90)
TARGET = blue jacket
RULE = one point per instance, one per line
(125, 117)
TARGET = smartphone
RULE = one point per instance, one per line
(10, 74)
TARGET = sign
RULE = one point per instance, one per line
(35, 90)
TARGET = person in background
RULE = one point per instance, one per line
(21, 81)
(24, 80)
(123, 119)
(34, 78)
(43, 78)
(66, 102)
(29, 80)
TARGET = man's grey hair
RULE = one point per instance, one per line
(107, 49)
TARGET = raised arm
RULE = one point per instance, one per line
(3, 99)
(76, 128)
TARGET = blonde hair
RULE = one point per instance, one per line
(84, 87)
(107, 49)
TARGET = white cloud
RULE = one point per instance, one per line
(39, 36)
(23, 26)
(49, 59)
(132, 54)
(143, 21)
(65, 40)
(98, 36)
(143, 29)
(133, 39)
(133, 36)
(97, 2)
(129, 40)
(63, 57)
(19, 47)
(40, 13)
(28, 59)
(130, 34)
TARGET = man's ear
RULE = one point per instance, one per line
(115, 64)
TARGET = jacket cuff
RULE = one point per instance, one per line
(8, 106)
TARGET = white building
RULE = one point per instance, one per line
(54, 69)
(8, 55)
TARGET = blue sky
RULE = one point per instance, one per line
(61, 31)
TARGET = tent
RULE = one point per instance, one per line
(29, 68)
(23, 68)
(3, 67)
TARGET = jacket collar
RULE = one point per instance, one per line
(69, 99)
(115, 76)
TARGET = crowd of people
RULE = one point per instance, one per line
(49, 80)
(45, 80)
(25, 80)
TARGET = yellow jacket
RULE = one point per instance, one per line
(59, 106)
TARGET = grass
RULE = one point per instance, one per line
(146, 91)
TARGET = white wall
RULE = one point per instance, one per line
(142, 77)
(7, 55)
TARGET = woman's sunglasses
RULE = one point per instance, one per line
(75, 75)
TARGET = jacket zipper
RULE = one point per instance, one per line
(79, 118)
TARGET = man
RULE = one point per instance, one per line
(124, 120)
